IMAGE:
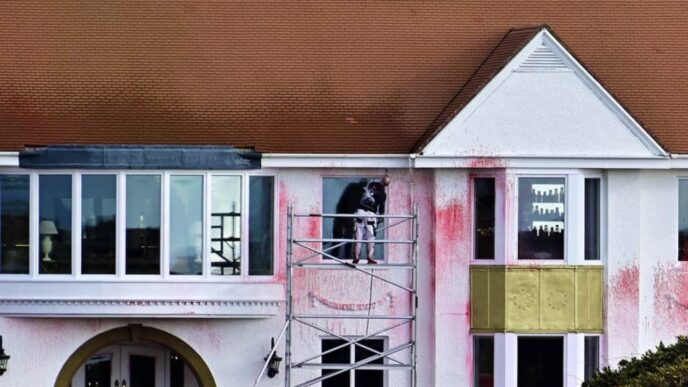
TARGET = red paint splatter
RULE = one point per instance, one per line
(670, 300)
(623, 312)
(486, 162)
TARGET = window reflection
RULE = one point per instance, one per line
(98, 209)
(14, 224)
(143, 224)
(55, 228)
(225, 225)
(260, 225)
(186, 224)
(541, 218)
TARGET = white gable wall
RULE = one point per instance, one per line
(543, 104)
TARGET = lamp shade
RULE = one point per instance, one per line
(47, 227)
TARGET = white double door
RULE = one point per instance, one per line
(124, 366)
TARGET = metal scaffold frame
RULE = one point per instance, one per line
(390, 363)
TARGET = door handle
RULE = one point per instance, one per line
(124, 382)
(116, 383)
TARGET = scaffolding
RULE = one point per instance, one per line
(319, 255)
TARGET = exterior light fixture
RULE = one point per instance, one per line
(4, 358)
(274, 363)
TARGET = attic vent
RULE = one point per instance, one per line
(543, 59)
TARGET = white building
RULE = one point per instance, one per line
(549, 234)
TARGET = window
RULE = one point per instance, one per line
(14, 224)
(592, 219)
(350, 354)
(119, 223)
(98, 224)
(484, 217)
(541, 205)
(342, 195)
(143, 224)
(225, 225)
(540, 361)
(55, 228)
(261, 225)
(592, 356)
(683, 220)
(483, 358)
(186, 225)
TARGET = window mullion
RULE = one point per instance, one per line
(205, 237)
(244, 224)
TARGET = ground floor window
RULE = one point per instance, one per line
(540, 361)
(341, 355)
(592, 356)
(483, 353)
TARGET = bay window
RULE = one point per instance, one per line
(120, 224)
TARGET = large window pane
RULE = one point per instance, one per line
(98, 226)
(483, 358)
(683, 220)
(225, 225)
(143, 224)
(541, 204)
(14, 224)
(261, 225)
(186, 225)
(592, 219)
(55, 228)
(343, 195)
(484, 213)
(540, 361)
(592, 356)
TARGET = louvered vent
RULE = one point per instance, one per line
(543, 59)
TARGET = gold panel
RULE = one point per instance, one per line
(536, 299)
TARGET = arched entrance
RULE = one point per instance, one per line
(135, 333)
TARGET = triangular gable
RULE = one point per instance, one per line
(532, 98)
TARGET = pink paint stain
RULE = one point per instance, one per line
(671, 299)
(623, 309)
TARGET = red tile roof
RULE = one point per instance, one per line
(305, 77)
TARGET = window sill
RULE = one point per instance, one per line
(60, 298)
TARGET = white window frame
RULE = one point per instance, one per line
(574, 217)
(352, 356)
(164, 276)
(499, 221)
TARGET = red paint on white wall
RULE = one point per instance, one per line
(670, 300)
(623, 310)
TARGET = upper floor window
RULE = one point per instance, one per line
(541, 218)
(683, 220)
(14, 224)
(154, 224)
(484, 217)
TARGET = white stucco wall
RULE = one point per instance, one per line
(538, 114)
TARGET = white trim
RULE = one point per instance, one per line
(9, 159)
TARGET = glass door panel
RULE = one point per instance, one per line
(142, 366)
(100, 370)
